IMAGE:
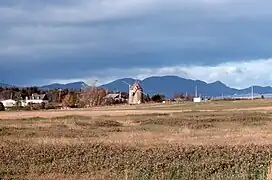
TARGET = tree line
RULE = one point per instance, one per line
(88, 97)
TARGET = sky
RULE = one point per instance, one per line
(48, 41)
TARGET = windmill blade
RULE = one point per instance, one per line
(126, 83)
(143, 93)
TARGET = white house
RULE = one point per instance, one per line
(197, 99)
(35, 99)
(9, 103)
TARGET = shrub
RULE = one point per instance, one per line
(49, 106)
(158, 98)
(36, 106)
(2, 107)
(42, 105)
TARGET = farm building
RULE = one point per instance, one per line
(115, 98)
(35, 99)
(135, 94)
(9, 103)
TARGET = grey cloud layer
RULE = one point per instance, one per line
(43, 40)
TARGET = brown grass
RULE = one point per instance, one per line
(119, 161)
(256, 105)
(164, 142)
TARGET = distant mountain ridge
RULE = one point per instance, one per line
(167, 85)
(5, 85)
(73, 85)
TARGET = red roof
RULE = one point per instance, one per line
(137, 86)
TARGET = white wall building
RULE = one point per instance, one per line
(9, 103)
(34, 99)
(197, 99)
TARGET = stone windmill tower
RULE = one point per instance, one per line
(135, 93)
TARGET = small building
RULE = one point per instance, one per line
(115, 98)
(35, 99)
(9, 103)
(197, 99)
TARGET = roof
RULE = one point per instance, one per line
(40, 96)
(136, 86)
(8, 100)
(112, 96)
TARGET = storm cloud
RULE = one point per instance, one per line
(47, 41)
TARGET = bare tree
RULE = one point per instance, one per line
(18, 99)
(70, 100)
(92, 96)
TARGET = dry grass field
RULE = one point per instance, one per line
(216, 140)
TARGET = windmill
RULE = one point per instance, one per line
(127, 83)
(135, 93)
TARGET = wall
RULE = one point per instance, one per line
(9, 103)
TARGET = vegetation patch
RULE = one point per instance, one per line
(61, 148)
(177, 122)
(26, 119)
(162, 121)
(163, 162)
(107, 123)
(83, 123)
(32, 119)
(7, 131)
(202, 121)
(148, 115)
(72, 117)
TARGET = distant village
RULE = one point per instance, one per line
(33, 98)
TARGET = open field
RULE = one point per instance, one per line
(219, 140)
(257, 105)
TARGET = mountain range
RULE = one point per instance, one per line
(5, 85)
(167, 85)
(73, 85)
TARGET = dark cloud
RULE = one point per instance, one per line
(47, 40)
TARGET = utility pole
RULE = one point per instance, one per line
(94, 83)
(59, 94)
(252, 93)
(196, 91)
